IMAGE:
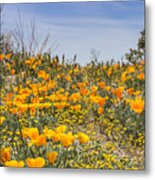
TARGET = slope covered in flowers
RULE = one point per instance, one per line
(56, 114)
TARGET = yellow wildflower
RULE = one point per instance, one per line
(61, 129)
(2, 119)
(137, 105)
(67, 139)
(35, 162)
(83, 138)
(14, 163)
(141, 76)
(52, 156)
(5, 154)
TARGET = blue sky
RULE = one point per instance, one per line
(111, 28)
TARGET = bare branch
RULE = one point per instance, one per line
(44, 43)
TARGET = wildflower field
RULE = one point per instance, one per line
(64, 115)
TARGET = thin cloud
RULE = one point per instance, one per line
(112, 37)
